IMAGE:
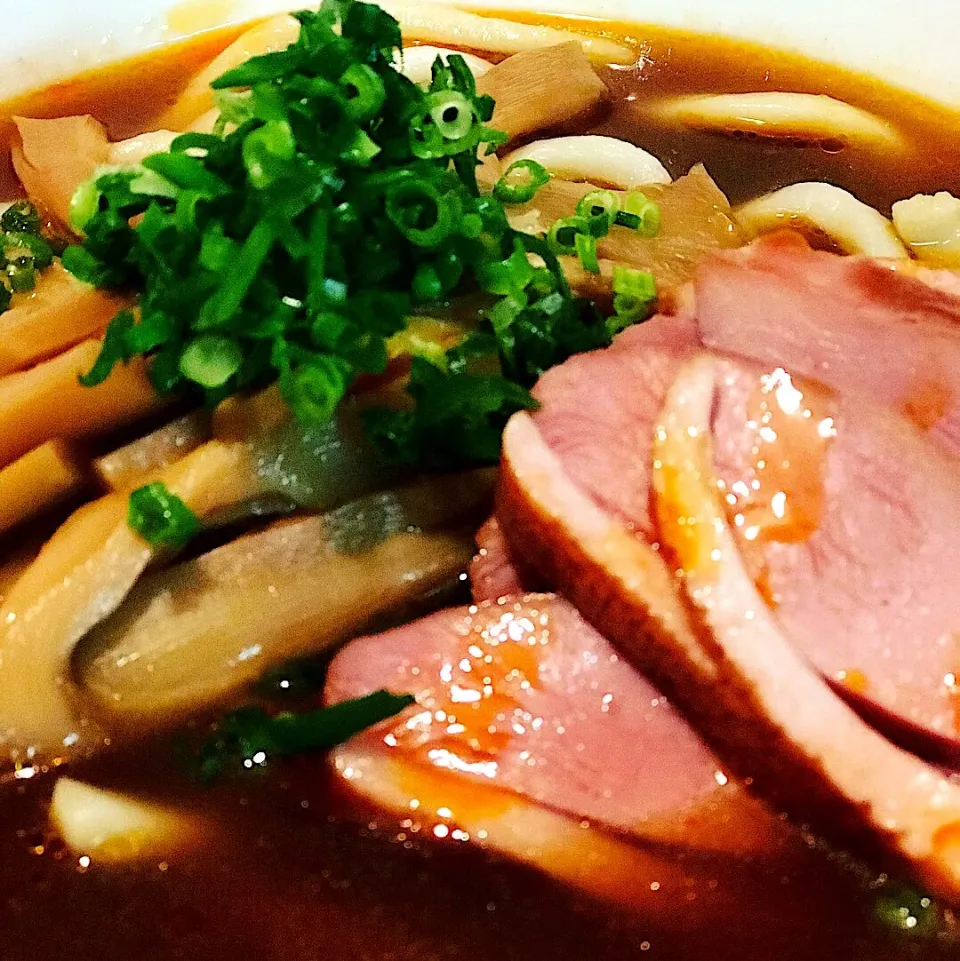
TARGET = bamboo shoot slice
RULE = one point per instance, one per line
(48, 401)
(197, 99)
(59, 313)
(191, 635)
(136, 463)
(186, 643)
(542, 89)
(55, 156)
(46, 476)
(82, 574)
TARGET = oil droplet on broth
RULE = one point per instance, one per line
(780, 498)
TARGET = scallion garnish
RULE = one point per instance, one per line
(24, 251)
(643, 214)
(586, 247)
(160, 517)
(250, 738)
(520, 182)
(293, 243)
(634, 293)
(21, 217)
(599, 203)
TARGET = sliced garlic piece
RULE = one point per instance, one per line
(930, 225)
(829, 210)
(804, 117)
(439, 23)
(116, 827)
(416, 63)
(601, 160)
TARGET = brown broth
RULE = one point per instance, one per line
(294, 870)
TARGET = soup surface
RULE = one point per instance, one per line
(292, 868)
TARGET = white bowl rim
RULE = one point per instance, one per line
(912, 45)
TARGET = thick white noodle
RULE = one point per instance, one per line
(930, 226)
(417, 62)
(799, 116)
(850, 223)
(601, 160)
(128, 153)
(438, 23)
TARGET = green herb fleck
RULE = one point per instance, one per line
(520, 182)
(24, 251)
(160, 517)
(250, 737)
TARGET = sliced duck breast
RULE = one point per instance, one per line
(801, 746)
(849, 515)
(851, 322)
(493, 571)
(524, 696)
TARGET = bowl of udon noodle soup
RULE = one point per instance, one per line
(479, 485)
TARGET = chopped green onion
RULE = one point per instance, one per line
(908, 913)
(267, 152)
(234, 106)
(636, 283)
(586, 247)
(160, 517)
(646, 210)
(635, 292)
(22, 275)
(236, 284)
(452, 114)
(113, 350)
(188, 173)
(427, 287)
(32, 245)
(21, 217)
(313, 391)
(362, 150)
(507, 277)
(561, 238)
(420, 213)
(211, 361)
(249, 737)
(598, 203)
(364, 91)
(151, 184)
(630, 221)
(293, 243)
(520, 182)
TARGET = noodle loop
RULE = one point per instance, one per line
(830, 211)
